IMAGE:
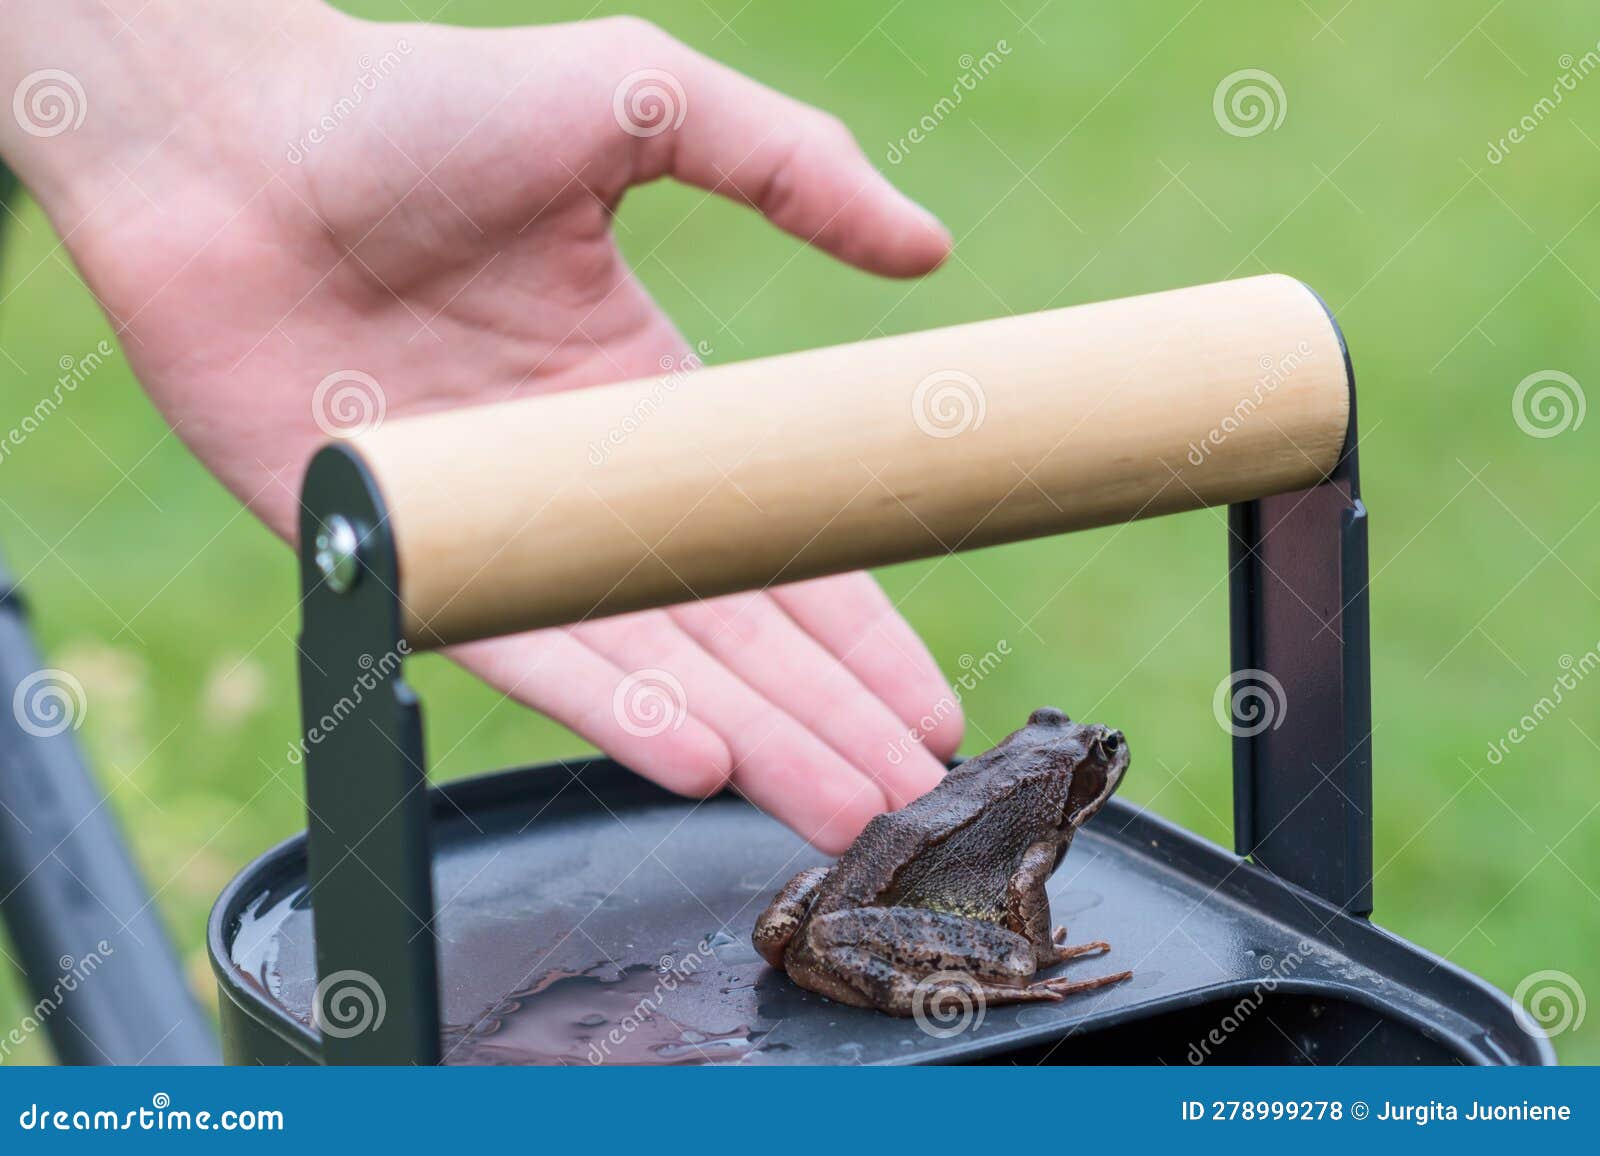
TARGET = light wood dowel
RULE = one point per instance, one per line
(553, 509)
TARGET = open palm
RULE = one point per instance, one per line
(443, 238)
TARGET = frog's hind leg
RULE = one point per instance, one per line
(943, 998)
(783, 916)
(912, 961)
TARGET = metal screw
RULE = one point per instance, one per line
(338, 554)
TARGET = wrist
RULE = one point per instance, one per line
(98, 87)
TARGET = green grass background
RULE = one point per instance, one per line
(1087, 166)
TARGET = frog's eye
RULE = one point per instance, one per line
(1112, 742)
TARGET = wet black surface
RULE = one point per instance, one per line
(576, 933)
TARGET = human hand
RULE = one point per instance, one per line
(447, 233)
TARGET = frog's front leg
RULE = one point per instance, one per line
(885, 957)
(1028, 909)
(783, 916)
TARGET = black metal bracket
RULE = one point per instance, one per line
(1300, 699)
(368, 845)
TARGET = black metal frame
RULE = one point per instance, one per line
(68, 886)
(1302, 785)
(1302, 770)
(366, 782)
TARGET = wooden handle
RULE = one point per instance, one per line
(558, 508)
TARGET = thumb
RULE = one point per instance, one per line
(707, 125)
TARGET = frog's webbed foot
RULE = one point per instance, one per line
(996, 994)
(1063, 987)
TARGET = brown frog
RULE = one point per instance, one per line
(950, 889)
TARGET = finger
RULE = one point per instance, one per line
(754, 638)
(778, 764)
(850, 615)
(558, 675)
(711, 126)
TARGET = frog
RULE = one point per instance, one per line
(947, 894)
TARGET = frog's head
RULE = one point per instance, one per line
(1096, 755)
